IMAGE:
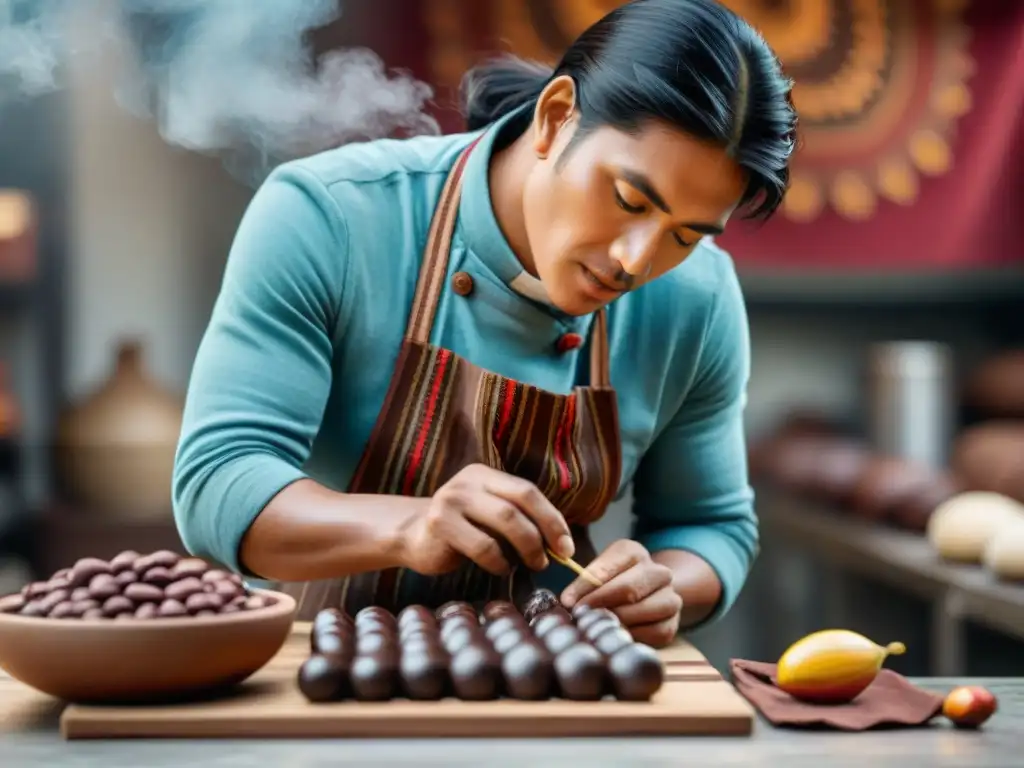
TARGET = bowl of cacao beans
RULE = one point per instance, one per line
(140, 628)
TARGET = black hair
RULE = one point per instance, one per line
(691, 63)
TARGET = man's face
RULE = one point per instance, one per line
(619, 210)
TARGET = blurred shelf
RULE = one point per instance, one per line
(787, 288)
(16, 296)
(904, 561)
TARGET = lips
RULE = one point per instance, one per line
(604, 282)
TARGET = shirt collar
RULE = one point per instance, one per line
(477, 222)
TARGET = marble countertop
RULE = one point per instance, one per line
(29, 737)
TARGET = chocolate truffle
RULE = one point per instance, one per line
(498, 608)
(502, 625)
(328, 618)
(509, 639)
(375, 643)
(580, 670)
(579, 609)
(636, 672)
(560, 638)
(455, 607)
(541, 601)
(323, 678)
(375, 613)
(611, 641)
(475, 673)
(423, 673)
(595, 615)
(459, 637)
(373, 678)
(332, 643)
(415, 615)
(597, 628)
(547, 622)
(528, 672)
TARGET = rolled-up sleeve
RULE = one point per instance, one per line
(262, 374)
(691, 490)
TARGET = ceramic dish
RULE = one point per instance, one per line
(99, 660)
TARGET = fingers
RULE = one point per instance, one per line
(656, 635)
(529, 499)
(661, 605)
(614, 562)
(630, 587)
(507, 522)
(472, 543)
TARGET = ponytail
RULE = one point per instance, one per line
(493, 89)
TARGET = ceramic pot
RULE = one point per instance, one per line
(115, 448)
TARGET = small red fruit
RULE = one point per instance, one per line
(969, 706)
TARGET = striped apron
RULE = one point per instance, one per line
(442, 413)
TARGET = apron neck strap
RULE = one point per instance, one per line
(434, 270)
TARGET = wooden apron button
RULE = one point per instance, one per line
(462, 283)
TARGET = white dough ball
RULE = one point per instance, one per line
(1004, 554)
(961, 527)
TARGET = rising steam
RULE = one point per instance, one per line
(234, 78)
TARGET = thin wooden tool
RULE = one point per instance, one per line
(576, 568)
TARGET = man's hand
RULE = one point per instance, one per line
(473, 514)
(637, 589)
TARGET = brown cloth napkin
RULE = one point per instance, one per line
(890, 701)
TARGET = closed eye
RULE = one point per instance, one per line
(626, 206)
(636, 209)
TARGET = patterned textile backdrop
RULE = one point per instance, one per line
(911, 120)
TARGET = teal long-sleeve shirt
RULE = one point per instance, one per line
(295, 363)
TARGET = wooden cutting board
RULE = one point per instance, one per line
(695, 700)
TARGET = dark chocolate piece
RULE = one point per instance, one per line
(509, 639)
(323, 678)
(375, 614)
(547, 622)
(560, 638)
(611, 641)
(581, 673)
(460, 637)
(503, 624)
(374, 643)
(597, 628)
(373, 678)
(498, 608)
(541, 601)
(327, 618)
(424, 673)
(579, 610)
(453, 608)
(415, 615)
(475, 673)
(334, 642)
(528, 672)
(594, 615)
(636, 672)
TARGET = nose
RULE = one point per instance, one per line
(636, 248)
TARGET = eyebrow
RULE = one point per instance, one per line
(644, 185)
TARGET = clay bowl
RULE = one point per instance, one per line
(104, 661)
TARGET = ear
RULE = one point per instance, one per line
(556, 107)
